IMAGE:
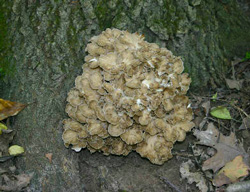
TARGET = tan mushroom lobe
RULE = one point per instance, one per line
(130, 97)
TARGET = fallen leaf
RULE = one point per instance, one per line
(220, 180)
(193, 177)
(202, 123)
(15, 150)
(5, 139)
(49, 156)
(197, 121)
(206, 106)
(245, 124)
(226, 146)
(220, 113)
(15, 182)
(234, 84)
(214, 97)
(2, 126)
(231, 172)
(9, 108)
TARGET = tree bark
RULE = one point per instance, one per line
(48, 39)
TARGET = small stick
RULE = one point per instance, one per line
(184, 154)
(236, 107)
(218, 123)
(170, 184)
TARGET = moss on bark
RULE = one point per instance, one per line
(5, 43)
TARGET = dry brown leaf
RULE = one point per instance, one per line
(231, 172)
(49, 156)
(9, 108)
(15, 182)
(206, 106)
(245, 124)
(193, 177)
(226, 146)
(234, 84)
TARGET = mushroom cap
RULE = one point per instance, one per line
(95, 142)
(73, 125)
(74, 97)
(145, 118)
(80, 145)
(71, 111)
(132, 136)
(115, 130)
(94, 127)
(70, 137)
(155, 148)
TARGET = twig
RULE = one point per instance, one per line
(170, 184)
(210, 118)
(5, 158)
(236, 107)
(233, 70)
(184, 154)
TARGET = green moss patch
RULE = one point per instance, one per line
(5, 44)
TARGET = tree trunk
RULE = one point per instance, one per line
(48, 39)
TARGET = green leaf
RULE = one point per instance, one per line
(214, 97)
(221, 113)
(247, 55)
(2, 126)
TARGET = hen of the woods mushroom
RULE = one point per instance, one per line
(130, 97)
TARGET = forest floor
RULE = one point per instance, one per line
(214, 155)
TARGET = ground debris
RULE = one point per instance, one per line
(226, 146)
(9, 108)
(239, 187)
(193, 177)
(231, 172)
(14, 182)
(245, 124)
(5, 139)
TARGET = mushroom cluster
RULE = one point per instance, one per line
(130, 97)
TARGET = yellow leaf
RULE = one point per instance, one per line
(2, 126)
(16, 150)
(233, 170)
(9, 108)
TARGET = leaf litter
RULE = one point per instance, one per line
(5, 139)
(231, 172)
(228, 161)
(9, 181)
(193, 177)
(226, 146)
(9, 108)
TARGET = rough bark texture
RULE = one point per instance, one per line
(48, 39)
